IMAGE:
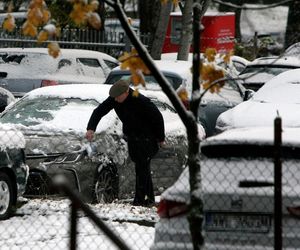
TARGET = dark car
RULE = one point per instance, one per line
(176, 72)
(13, 171)
(53, 121)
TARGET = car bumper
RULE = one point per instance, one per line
(172, 234)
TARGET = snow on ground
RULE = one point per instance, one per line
(44, 224)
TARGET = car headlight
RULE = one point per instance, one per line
(67, 158)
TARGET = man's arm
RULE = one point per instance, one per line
(96, 116)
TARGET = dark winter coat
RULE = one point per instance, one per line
(140, 117)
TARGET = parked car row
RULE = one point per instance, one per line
(53, 120)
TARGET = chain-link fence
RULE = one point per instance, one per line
(238, 188)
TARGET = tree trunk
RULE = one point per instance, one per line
(161, 30)
(186, 31)
(292, 34)
(149, 15)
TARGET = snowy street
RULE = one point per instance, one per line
(44, 224)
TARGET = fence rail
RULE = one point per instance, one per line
(112, 42)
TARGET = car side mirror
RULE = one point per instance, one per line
(248, 94)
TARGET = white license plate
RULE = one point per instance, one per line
(243, 222)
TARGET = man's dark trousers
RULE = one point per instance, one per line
(141, 150)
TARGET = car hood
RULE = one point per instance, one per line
(46, 142)
(254, 114)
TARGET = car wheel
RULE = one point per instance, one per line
(6, 196)
(106, 187)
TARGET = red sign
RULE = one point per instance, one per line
(218, 33)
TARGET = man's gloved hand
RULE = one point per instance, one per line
(89, 134)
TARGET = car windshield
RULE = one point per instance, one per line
(231, 91)
(149, 79)
(267, 69)
(35, 111)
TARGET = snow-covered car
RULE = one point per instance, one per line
(237, 171)
(293, 50)
(279, 96)
(260, 70)
(24, 69)
(235, 65)
(13, 170)
(178, 73)
(54, 120)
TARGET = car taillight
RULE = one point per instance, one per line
(295, 211)
(46, 83)
(169, 209)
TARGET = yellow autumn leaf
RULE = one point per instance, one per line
(135, 93)
(183, 94)
(9, 23)
(227, 56)
(137, 78)
(124, 57)
(46, 15)
(42, 36)
(36, 4)
(133, 62)
(210, 74)
(94, 5)
(53, 49)
(79, 14)
(94, 20)
(35, 16)
(210, 54)
(29, 29)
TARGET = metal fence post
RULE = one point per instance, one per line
(277, 184)
(73, 224)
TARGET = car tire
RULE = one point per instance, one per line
(106, 186)
(7, 196)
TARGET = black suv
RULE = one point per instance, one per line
(13, 171)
